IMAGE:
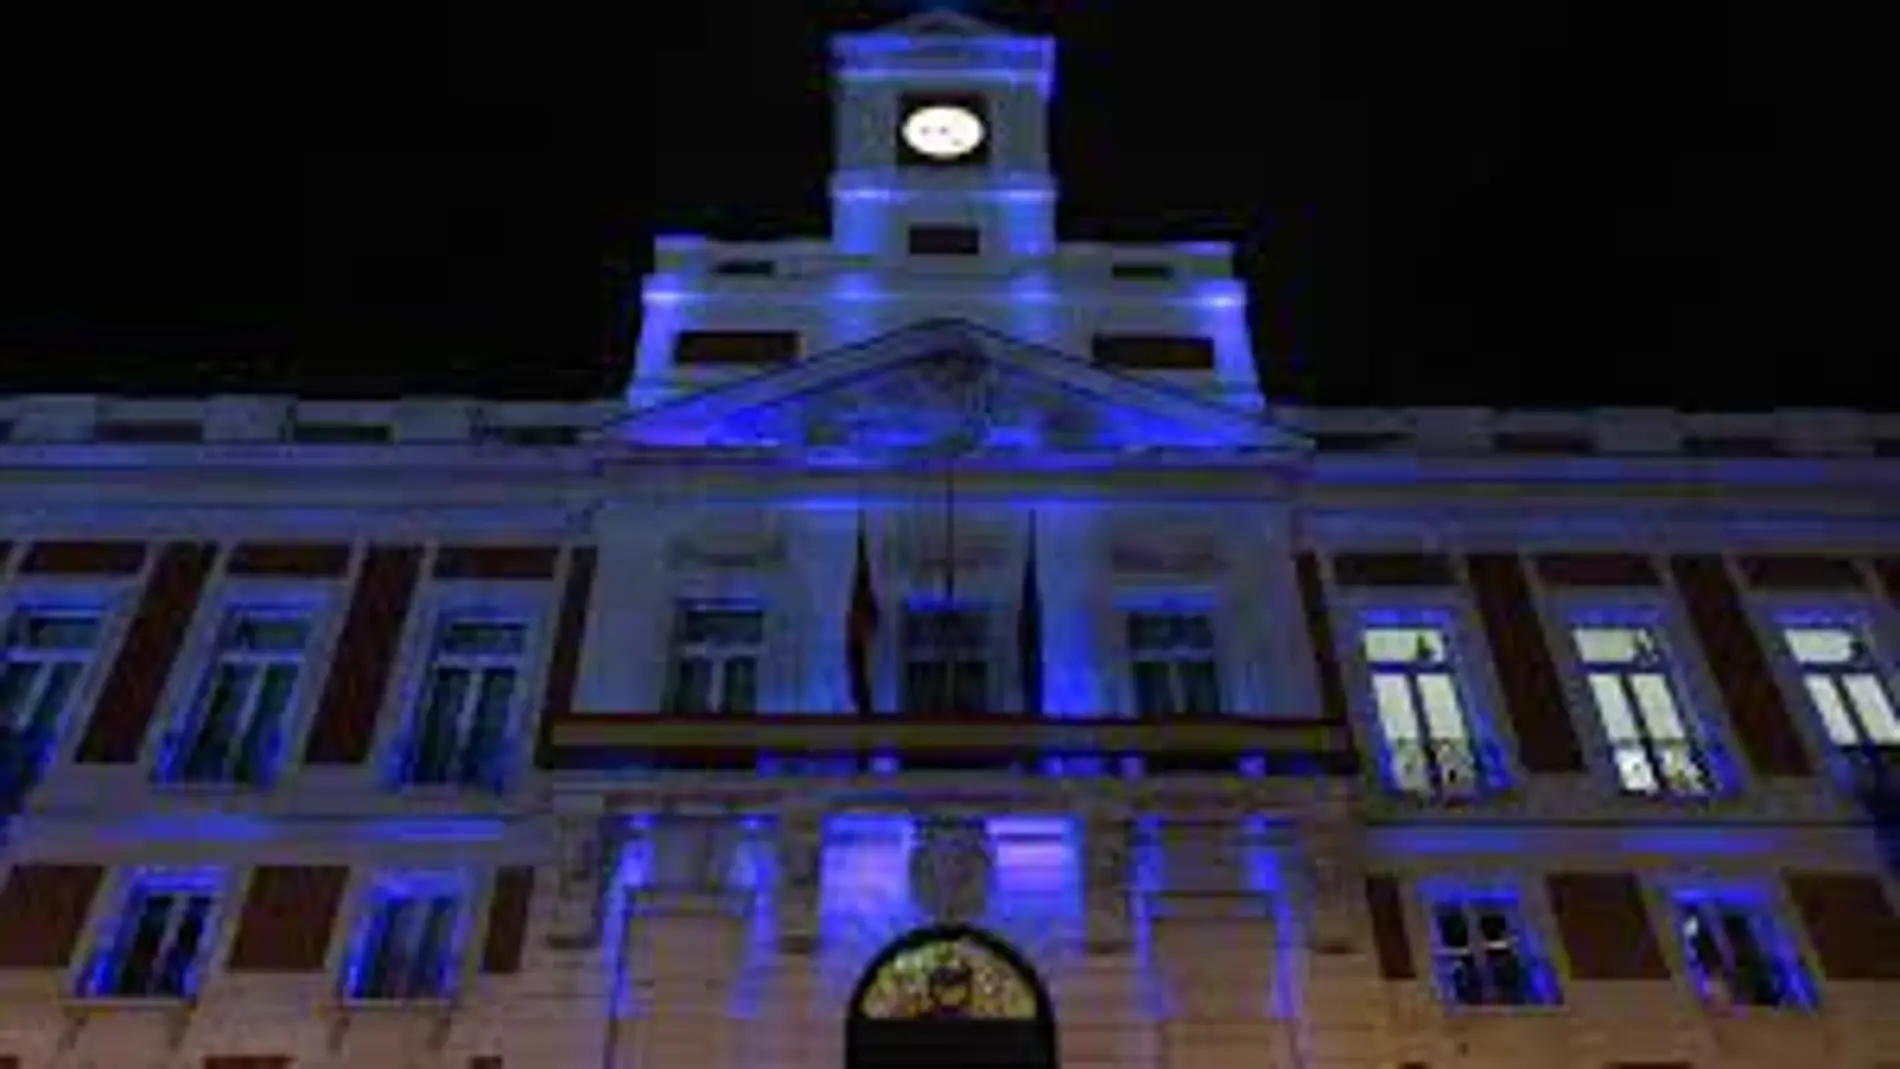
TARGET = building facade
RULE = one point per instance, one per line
(944, 656)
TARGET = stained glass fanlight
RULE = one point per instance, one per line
(955, 978)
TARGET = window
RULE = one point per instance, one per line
(1171, 657)
(1483, 954)
(716, 649)
(1736, 955)
(946, 659)
(158, 941)
(1154, 352)
(945, 241)
(1429, 743)
(1628, 674)
(1845, 683)
(45, 653)
(408, 943)
(239, 715)
(460, 732)
(735, 348)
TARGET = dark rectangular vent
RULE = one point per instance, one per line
(1543, 443)
(1141, 272)
(1365, 442)
(339, 433)
(750, 268)
(1720, 445)
(945, 241)
(1154, 352)
(541, 434)
(144, 432)
(749, 348)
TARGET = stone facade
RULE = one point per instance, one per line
(1255, 884)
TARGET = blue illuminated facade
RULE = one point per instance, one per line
(1187, 805)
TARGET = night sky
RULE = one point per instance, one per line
(1532, 203)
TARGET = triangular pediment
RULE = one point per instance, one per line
(949, 387)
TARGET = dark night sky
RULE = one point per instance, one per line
(1535, 203)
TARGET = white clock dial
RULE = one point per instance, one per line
(943, 132)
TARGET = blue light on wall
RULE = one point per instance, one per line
(1502, 895)
(1774, 939)
(118, 939)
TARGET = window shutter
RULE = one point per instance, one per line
(1762, 721)
(564, 660)
(1534, 699)
(508, 920)
(1605, 929)
(1850, 923)
(42, 913)
(1319, 626)
(1387, 906)
(136, 683)
(289, 912)
(345, 727)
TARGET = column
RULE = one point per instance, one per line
(1338, 997)
(1075, 681)
(822, 555)
(623, 660)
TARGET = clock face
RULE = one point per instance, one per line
(943, 131)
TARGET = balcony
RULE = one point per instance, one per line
(847, 744)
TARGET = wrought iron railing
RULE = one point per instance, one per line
(1001, 742)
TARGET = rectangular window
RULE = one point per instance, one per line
(158, 940)
(1628, 673)
(716, 652)
(946, 653)
(459, 735)
(1736, 955)
(1430, 746)
(244, 701)
(945, 241)
(1483, 954)
(1172, 663)
(1848, 688)
(407, 945)
(46, 652)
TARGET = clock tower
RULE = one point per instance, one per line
(942, 147)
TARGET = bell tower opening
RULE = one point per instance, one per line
(950, 997)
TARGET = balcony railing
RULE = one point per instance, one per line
(835, 743)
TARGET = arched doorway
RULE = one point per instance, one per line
(949, 998)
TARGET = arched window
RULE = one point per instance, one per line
(954, 977)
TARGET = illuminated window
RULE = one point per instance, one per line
(1847, 687)
(459, 733)
(406, 946)
(1430, 746)
(1736, 954)
(1630, 680)
(235, 723)
(1483, 952)
(158, 941)
(1172, 662)
(949, 979)
(716, 650)
(946, 659)
(46, 652)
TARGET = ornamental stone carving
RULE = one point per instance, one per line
(1108, 869)
(586, 850)
(950, 867)
(799, 850)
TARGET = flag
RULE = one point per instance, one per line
(861, 627)
(1029, 629)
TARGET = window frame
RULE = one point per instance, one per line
(1125, 612)
(1697, 701)
(377, 887)
(1769, 610)
(1478, 726)
(1530, 927)
(110, 918)
(1131, 593)
(1780, 940)
(112, 601)
(998, 666)
(531, 602)
(681, 607)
